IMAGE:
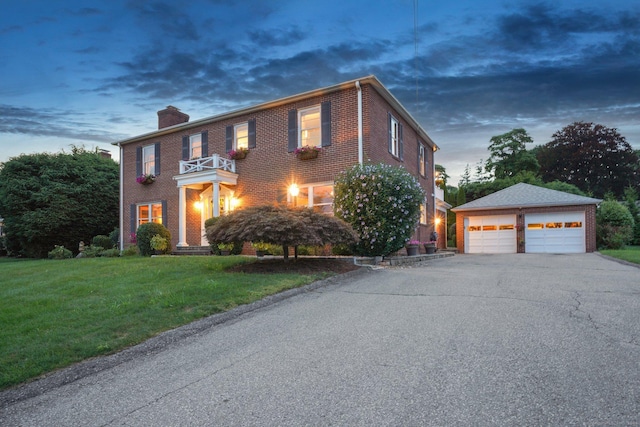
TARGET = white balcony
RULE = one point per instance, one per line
(207, 164)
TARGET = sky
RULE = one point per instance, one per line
(93, 72)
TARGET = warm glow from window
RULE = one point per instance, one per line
(310, 127)
(242, 136)
(294, 190)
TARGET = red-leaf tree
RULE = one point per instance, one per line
(281, 226)
(594, 158)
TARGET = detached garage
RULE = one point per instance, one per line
(526, 218)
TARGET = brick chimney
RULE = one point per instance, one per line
(171, 116)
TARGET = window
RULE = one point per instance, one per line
(554, 225)
(575, 224)
(423, 212)
(151, 212)
(195, 146)
(319, 197)
(309, 125)
(394, 135)
(475, 228)
(422, 159)
(535, 226)
(241, 136)
(506, 227)
(149, 160)
(489, 228)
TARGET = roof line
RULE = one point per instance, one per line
(370, 79)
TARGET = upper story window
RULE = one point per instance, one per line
(422, 159)
(195, 146)
(241, 136)
(149, 160)
(423, 212)
(395, 137)
(309, 125)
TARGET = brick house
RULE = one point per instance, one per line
(525, 218)
(353, 122)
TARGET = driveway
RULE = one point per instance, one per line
(468, 340)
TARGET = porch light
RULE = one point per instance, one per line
(197, 206)
(235, 202)
(438, 221)
(294, 190)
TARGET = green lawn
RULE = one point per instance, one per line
(630, 253)
(55, 313)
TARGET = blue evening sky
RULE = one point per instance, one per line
(92, 72)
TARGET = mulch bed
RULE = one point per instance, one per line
(300, 266)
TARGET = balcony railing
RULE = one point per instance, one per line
(207, 163)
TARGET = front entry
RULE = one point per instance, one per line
(207, 208)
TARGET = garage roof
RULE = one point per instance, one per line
(526, 195)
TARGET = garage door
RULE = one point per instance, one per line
(561, 232)
(492, 234)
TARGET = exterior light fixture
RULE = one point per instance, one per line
(197, 206)
(438, 221)
(294, 190)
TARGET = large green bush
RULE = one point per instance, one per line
(145, 233)
(103, 241)
(381, 203)
(614, 225)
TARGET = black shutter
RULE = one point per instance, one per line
(389, 120)
(133, 222)
(400, 143)
(164, 213)
(419, 159)
(293, 130)
(205, 143)
(157, 159)
(252, 133)
(229, 138)
(185, 148)
(138, 161)
(325, 117)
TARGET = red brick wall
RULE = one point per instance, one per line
(590, 221)
(267, 171)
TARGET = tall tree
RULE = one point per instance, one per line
(57, 199)
(509, 154)
(592, 157)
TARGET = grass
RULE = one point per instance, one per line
(630, 253)
(56, 313)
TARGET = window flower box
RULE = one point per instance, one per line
(146, 179)
(238, 154)
(307, 152)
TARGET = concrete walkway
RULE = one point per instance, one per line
(468, 340)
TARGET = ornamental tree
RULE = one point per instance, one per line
(281, 226)
(381, 203)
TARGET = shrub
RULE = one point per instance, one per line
(146, 232)
(115, 237)
(60, 252)
(159, 244)
(111, 253)
(236, 249)
(103, 241)
(614, 225)
(131, 251)
(342, 249)
(381, 203)
(92, 251)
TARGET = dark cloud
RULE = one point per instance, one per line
(165, 21)
(56, 123)
(267, 38)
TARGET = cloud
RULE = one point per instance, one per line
(270, 37)
(55, 123)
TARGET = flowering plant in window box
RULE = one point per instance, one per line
(146, 178)
(238, 154)
(307, 152)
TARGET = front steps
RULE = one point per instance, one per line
(192, 250)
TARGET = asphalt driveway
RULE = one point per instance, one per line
(469, 340)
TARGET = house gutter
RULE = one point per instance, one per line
(360, 145)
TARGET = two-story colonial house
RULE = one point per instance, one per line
(358, 121)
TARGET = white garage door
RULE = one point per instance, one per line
(492, 234)
(556, 233)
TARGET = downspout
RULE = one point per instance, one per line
(360, 145)
(121, 223)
